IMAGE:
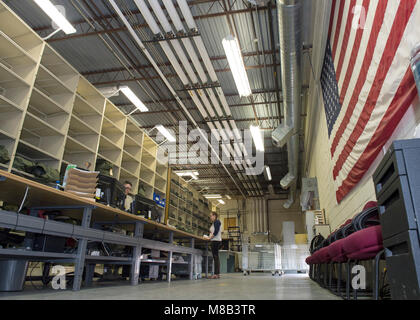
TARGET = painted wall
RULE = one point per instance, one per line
(320, 166)
(277, 214)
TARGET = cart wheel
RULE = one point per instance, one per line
(245, 273)
(273, 273)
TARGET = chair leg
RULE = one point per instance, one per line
(331, 275)
(376, 269)
(355, 290)
(338, 287)
(327, 267)
(348, 280)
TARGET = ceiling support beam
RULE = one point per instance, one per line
(47, 29)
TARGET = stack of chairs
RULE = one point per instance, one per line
(357, 240)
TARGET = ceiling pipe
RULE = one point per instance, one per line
(173, 92)
(206, 59)
(291, 45)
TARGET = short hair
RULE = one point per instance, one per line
(213, 213)
(128, 182)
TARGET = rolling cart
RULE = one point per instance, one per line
(261, 258)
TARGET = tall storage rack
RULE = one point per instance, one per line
(188, 209)
(50, 114)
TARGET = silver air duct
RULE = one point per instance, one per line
(290, 31)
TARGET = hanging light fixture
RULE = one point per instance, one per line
(133, 98)
(56, 16)
(236, 63)
(166, 133)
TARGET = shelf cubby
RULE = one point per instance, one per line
(42, 135)
(148, 193)
(10, 120)
(149, 146)
(87, 113)
(59, 68)
(128, 176)
(115, 116)
(16, 58)
(115, 168)
(77, 153)
(148, 160)
(133, 133)
(161, 170)
(13, 87)
(130, 165)
(112, 133)
(147, 175)
(21, 34)
(86, 91)
(36, 154)
(160, 183)
(83, 133)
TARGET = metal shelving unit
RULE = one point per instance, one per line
(188, 209)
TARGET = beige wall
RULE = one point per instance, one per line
(277, 214)
(320, 166)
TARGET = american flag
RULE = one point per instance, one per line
(366, 81)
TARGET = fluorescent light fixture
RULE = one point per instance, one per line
(56, 16)
(257, 137)
(228, 197)
(166, 133)
(133, 98)
(221, 201)
(192, 174)
(268, 171)
(212, 196)
(236, 63)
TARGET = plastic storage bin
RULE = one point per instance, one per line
(12, 274)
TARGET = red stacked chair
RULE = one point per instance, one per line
(358, 239)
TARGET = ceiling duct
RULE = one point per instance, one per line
(290, 32)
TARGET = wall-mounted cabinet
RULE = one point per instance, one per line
(52, 115)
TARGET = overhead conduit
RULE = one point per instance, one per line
(291, 46)
(227, 148)
(165, 46)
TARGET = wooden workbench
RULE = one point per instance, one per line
(147, 233)
(13, 189)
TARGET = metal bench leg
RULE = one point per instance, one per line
(191, 265)
(90, 272)
(81, 251)
(136, 259)
(169, 265)
(207, 259)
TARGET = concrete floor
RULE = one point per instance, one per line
(229, 287)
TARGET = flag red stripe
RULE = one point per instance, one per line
(338, 28)
(376, 28)
(353, 57)
(343, 49)
(332, 18)
(401, 20)
(404, 97)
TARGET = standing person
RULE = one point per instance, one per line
(216, 241)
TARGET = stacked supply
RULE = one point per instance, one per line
(81, 183)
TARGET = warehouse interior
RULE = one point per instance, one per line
(197, 149)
